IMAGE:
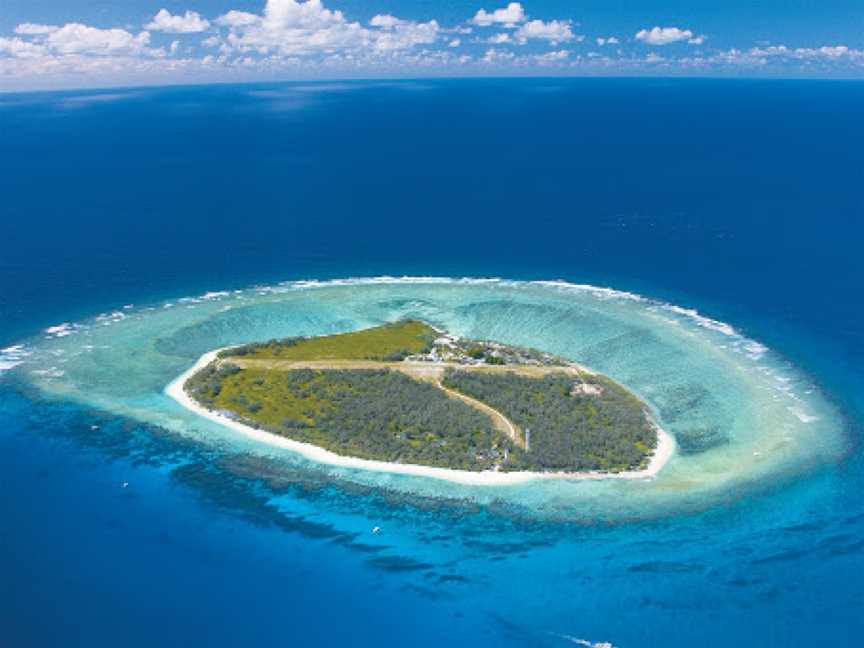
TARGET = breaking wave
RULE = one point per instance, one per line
(742, 415)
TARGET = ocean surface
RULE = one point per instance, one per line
(697, 240)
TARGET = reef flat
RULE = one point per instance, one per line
(741, 415)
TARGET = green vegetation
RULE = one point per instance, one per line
(589, 424)
(390, 342)
(371, 414)
(367, 404)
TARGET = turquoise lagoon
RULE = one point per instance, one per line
(743, 417)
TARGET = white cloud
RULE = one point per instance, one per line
(555, 31)
(397, 34)
(508, 59)
(31, 29)
(236, 18)
(496, 56)
(509, 16)
(834, 51)
(386, 21)
(552, 57)
(667, 35)
(784, 58)
(45, 44)
(77, 70)
(75, 38)
(189, 23)
(826, 52)
(289, 27)
(20, 48)
(499, 39)
(306, 38)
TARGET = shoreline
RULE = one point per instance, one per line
(662, 453)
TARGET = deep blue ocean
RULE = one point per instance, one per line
(742, 199)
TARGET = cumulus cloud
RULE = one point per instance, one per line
(554, 31)
(513, 17)
(761, 55)
(290, 28)
(20, 48)
(496, 57)
(836, 51)
(75, 38)
(287, 37)
(826, 52)
(189, 23)
(46, 45)
(666, 35)
(78, 51)
(31, 29)
(386, 21)
(236, 18)
(552, 57)
(396, 34)
(509, 16)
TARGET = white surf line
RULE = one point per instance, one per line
(662, 453)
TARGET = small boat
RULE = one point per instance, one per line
(376, 530)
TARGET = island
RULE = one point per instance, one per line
(408, 397)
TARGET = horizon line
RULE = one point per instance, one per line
(408, 79)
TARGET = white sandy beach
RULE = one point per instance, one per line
(663, 452)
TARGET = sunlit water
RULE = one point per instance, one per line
(690, 190)
(545, 563)
(741, 415)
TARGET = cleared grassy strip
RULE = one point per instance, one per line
(367, 413)
(421, 370)
(356, 395)
(387, 342)
(427, 371)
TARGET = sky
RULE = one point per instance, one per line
(54, 44)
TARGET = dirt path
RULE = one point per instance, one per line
(501, 422)
(420, 370)
(427, 371)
